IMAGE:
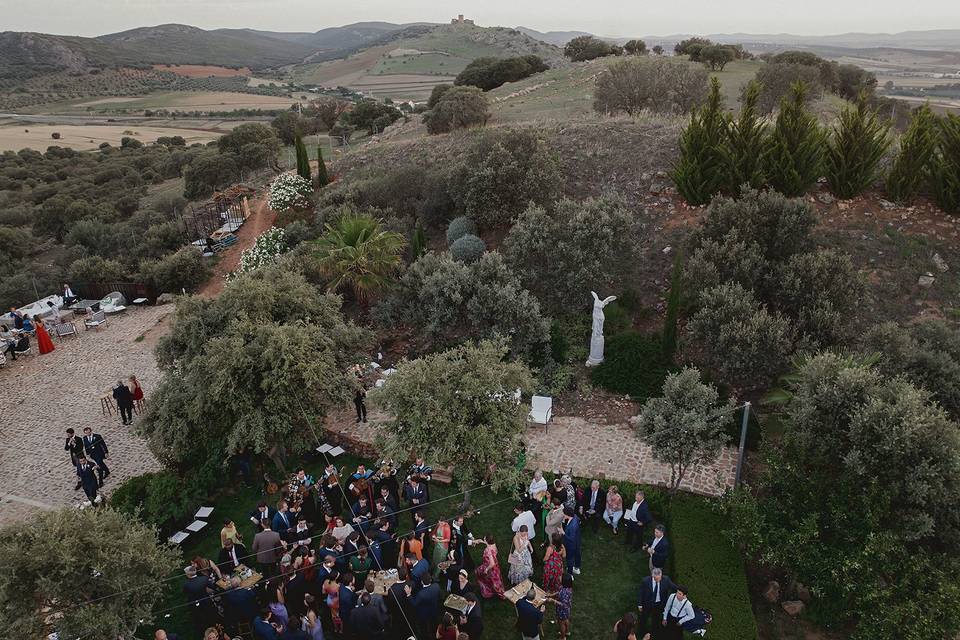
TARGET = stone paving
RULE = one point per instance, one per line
(43, 395)
(588, 448)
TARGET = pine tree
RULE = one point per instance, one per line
(322, 179)
(669, 337)
(701, 171)
(946, 173)
(859, 141)
(913, 164)
(418, 245)
(794, 153)
(745, 144)
(303, 161)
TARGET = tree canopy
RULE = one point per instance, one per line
(75, 562)
(458, 409)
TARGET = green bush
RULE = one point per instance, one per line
(96, 269)
(711, 567)
(859, 141)
(946, 166)
(911, 168)
(158, 498)
(633, 364)
(617, 320)
(185, 269)
(468, 248)
(701, 171)
(460, 227)
(795, 148)
(458, 108)
(746, 137)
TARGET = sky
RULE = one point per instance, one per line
(602, 17)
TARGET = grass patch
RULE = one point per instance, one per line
(139, 338)
(605, 591)
(633, 364)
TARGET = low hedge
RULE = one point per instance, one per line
(633, 364)
(711, 567)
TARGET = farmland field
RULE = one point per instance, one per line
(174, 101)
(202, 70)
(16, 136)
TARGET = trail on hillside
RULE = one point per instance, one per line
(259, 221)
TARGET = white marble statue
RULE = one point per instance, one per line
(596, 337)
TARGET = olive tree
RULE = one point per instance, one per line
(459, 409)
(684, 427)
(457, 108)
(662, 85)
(90, 573)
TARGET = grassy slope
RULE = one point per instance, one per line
(606, 590)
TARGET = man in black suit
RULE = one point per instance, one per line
(426, 605)
(121, 393)
(592, 505)
(348, 599)
(74, 446)
(232, 555)
(529, 616)
(654, 591)
(367, 620)
(239, 605)
(399, 608)
(659, 548)
(637, 517)
(259, 514)
(471, 622)
(415, 492)
(96, 449)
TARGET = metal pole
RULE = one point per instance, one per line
(743, 442)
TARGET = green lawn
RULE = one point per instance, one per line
(608, 587)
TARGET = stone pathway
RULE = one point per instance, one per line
(589, 449)
(44, 395)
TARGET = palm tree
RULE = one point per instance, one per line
(359, 255)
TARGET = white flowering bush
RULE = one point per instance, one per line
(267, 249)
(290, 191)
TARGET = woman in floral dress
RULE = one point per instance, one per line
(521, 558)
(553, 563)
(488, 573)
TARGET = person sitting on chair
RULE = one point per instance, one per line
(68, 295)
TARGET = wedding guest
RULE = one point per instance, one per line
(592, 505)
(677, 610)
(520, 558)
(654, 591)
(564, 602)
(121, 393)
(554, 564)
(636, 518)
(524, 517)
(136, 389)
(441, 545)
(229, 532)
(95, 448)
(571, 540)
(614, 509)
(488, 573)
(659, 548)
(529, 616)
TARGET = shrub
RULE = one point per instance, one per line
(372, 115)
(266, 250)
(467, 248)
(946, 165)
(633, 364)
(669, 335)
(661, 85)
(503, 173)
(185, 269)
(746, 141)
(859, 141)
(458, 108)
(490, 73)
(911, 168)
(460, 227)
(578, 247)
(290, 191)
(584, 48)
(776, 79)
(691, 47)
(701, 170)
(96, 269)
(736, 337)
(436, 93)
(730, 259)
(795, 149)
(717, 56)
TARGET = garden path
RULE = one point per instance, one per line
(588, 448)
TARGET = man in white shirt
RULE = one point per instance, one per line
(524, 518)
(678, 610)
(538, 485)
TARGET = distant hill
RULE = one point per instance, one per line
(557, 38)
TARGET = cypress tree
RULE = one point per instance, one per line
(669, 337)
(913, 164)
(946, 174)
(322, 179)
(418, 245)
(794, 153)
(303, 161)
(860, 138)
(702, 169)
(745, 144)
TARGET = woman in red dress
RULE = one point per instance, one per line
(488, 573)
(553, 563)
(136, 389)
(44, 343)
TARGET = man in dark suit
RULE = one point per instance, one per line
(96, 449)
(471, 622)
(426, 605)
(421, 528)
(659, 548)
(260, 513)
(232, 555)
(264, 628)
(368, 621)
(571, 540)
(529, 616)
(415, 493)
(348, 600)
(121, 393)
(417, 569)
(74, 446)
(398, 606)
(654, 591)
(239, 605)
(283, 521)
(86, 473)
(592, 505)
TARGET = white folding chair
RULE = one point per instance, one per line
(541, 410)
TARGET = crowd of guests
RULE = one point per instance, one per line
(356, 557)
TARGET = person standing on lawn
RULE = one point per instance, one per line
(654, 591)
(677, 610)
(659, 548)
(529, 616)
(636, 518)
(571, 540)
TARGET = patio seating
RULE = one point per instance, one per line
(96, 320)
(541, 410)
(65, 329)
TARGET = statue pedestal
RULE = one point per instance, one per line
(596, 351)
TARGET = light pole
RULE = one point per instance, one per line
(743, 442)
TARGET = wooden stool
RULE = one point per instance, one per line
(138, 407)
(106, 404)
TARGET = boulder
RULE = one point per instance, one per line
(165, 298)
(803, 593)
(940, 263)
(772, 593)
(793, 607)
(926, 281)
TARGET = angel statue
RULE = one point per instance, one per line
(596, 337)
